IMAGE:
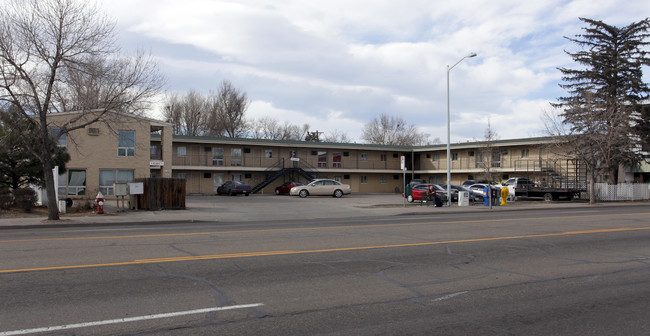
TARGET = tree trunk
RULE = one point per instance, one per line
(592, 191)
(52, 206)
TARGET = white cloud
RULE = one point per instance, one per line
(345, 62)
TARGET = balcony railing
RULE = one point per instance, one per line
(264, 162)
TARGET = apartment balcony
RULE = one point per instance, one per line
(261, 162)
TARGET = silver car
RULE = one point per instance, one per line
(321, 187)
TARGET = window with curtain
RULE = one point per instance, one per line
(73, 183)
(322, 159)
(235, 156)
(336, 160)
(217, 156)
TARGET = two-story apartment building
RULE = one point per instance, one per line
(126, 147)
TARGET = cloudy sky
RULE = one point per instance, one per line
(336, 65)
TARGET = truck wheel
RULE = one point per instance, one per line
(548, 197)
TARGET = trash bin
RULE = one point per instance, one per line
(463, 198)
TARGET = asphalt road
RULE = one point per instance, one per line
(580, 271)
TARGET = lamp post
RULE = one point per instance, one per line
(449, 130)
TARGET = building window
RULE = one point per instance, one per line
(235, 156)
(479, 160)
(217, 156)
(181, 151)
(72, 182)
(236, 177)
(155, 152)
(524, 153)
(496, 159)
(364, 179)
(383, 157)
(62, 140)
(383, 179)
(364, 156)
(322, 159)
(108, 177)
(181, 176)
(435, 157)
(126, 143)
(336, 160)
(268, 153)
(454, 156)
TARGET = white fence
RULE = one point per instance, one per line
(622, 192)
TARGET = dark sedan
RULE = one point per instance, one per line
(285, 188)
(233, 188)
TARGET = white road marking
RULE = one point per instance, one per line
(449, 296)
(128, 319)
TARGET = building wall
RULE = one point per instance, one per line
(97, 150)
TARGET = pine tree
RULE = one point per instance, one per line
(610, 82)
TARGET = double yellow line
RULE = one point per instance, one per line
(342, 249)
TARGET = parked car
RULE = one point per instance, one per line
(419, 192)
(454, 192)
(285, 187)
(477, 189)
(470, 182)
(473, 197)
(322, 187)
(233, 188)
(417, 181)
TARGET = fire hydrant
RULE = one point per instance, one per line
(100, 203)
(504, 195)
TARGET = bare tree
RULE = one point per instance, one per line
(57, 55)
(595, 138)
(391, 130)
(270, 129)
(488, 156)
(227, 108)
(188, 113)
(337, 136)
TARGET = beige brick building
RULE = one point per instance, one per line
(126, 147)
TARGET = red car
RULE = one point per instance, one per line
(419, 192)
(286, 187)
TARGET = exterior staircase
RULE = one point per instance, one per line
(278, 170)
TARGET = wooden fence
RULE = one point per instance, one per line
(162, 193)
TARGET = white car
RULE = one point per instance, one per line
(322, 187)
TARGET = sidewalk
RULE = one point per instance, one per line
(269, 207)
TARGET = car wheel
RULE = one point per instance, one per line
(231, 193)
(338, 193)
(303, 193)
(409, 198)
(246, 194)
(548, 197)
(277, 192)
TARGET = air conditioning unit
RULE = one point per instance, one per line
(93, 131)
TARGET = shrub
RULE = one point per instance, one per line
(6, 199)
(25, 198)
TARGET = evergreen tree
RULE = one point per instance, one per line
(609, 82)
(18, 166)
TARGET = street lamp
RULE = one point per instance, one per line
(449, 130)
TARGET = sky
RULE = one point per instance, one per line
(337, 65)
